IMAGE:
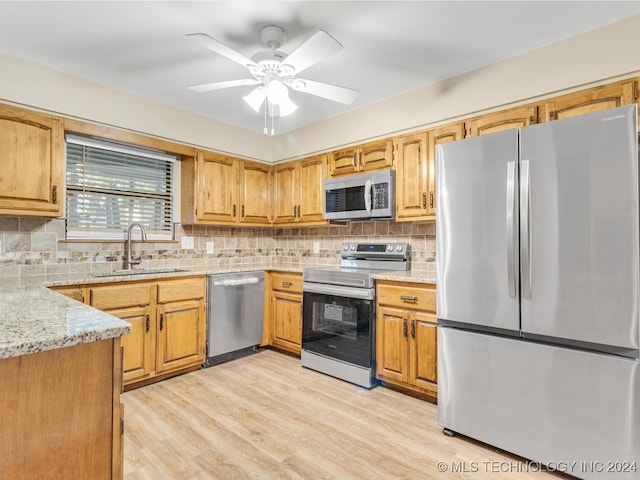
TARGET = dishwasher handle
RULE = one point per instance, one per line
(233, 283)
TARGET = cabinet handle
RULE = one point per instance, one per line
(242, 211)
(146, 323)
(360, 159)
(234, 210)
(424, 199)
(413, 329)
(161, 321)
(54, 194)
(431, 199)
(409, 298)
(299, 215)
(286, 284)
(404, 327)
(294, 211)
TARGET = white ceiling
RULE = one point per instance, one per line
(389, 47)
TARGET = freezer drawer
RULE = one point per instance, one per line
(548, 404)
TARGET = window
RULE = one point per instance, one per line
(110, 185)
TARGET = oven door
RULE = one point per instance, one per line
(338, 322)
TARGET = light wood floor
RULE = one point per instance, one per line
(266, 417)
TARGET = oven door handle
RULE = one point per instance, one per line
(339, 290)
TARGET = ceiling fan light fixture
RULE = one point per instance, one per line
(277, 92)
(256, 98)
(286, 107)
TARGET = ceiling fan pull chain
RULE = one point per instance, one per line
(266, 104)
(272, 129)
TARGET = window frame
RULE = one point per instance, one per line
(92, 142)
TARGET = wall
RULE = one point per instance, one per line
(589, 59)
(596, 56)
(32, 253)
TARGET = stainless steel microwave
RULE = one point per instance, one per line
(368, 196)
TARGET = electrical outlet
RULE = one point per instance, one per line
(186, 242)
(316, 246)
(210, 249)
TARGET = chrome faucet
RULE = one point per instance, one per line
(130, 259)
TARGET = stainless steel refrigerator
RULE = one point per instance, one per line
(537, 242)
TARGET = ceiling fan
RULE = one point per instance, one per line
(274, 72)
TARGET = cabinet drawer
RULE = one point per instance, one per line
(407, 296)
(120, 296)
(286, 282)
(183, 289)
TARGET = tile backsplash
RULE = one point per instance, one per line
(34, 250)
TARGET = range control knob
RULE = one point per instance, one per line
(353, 248)
(389, 248)
(399, 248)
(345, 247)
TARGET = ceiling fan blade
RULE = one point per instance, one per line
(315, 49)
(330, 92)
(214, 45)
(207, 87)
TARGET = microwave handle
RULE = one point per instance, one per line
(367, 195)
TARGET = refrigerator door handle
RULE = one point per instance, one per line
(525, 229)
(511, 227)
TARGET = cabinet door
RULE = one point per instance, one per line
(312, 176)
(391, 344)
(75, 292)
(438, 136)
(411, 178)
(255, 193)
(503, 120)
(344, 162)
(138, 346)
(286, 315)
(376, 155)
(590, 100)
(423, 353)
(285, 192)
(180, 335)
(32, 159)
(216, 192)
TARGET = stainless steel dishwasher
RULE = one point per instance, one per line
(235, 306)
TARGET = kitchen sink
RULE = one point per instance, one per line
(141, 271)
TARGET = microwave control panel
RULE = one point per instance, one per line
(380, 195)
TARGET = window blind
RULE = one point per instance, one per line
(110, 185)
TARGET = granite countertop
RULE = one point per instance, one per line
(408, 276)
(37, 319)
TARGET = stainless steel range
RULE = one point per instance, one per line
(338, 308)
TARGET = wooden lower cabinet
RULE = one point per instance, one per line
(406, 337)
(62, 414)
(167, 320)
(283, 325)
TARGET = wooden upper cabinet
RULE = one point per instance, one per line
(369, 157)
(313, 172)
(220, 189)
(299, 191)
(416, 171)
(590, 100)
(209, 188)
(502, 120)
(255, 193)
(32, 159)
(285, 192)
(411, 176)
